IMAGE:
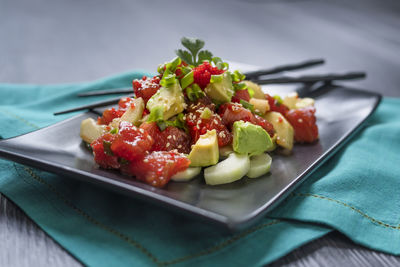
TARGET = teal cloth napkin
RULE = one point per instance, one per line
(354, 192)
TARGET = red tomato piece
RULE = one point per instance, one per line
(146, 88)
(102, 152)
(241, 94)
(170, 139)
(275, 106)
(304, 124)
(131, 142)
(158, 167)
(202, 74)
(265, 124)
(109, 115)
(231, 112)
(199, 126)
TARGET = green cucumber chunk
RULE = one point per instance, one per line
(187, 174)
(227, 171)
(259, 165)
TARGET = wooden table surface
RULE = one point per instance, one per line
(48, 41)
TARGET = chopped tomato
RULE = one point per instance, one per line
(199, 126)
(231, 112)
(202, 74)
(241, 94)
(131, 142)
(304, 124)
(102, 152)
(274, 105)
(146, 87)
(169, 139)
(158, 167)
(109, 115)
(265, 124)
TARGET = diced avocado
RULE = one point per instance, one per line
(250, 139)
(90, 130)
(134, 113)
(283, 129)
(229, 170)
(274, 145)
(170, 98)
(258, 92)
(259, 165)
(260, 105)
(221, 91)
(187, 174)
(225, 151)
(205, 151)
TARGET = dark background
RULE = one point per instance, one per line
(55, 41)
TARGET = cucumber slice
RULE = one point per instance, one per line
(259, 165)
(187, 174)
(227, 171)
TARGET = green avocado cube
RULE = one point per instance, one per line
(250, 139)
(221, 91)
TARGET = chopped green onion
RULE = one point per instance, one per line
(123, 161)
(161, 68)
(251, 91)
(114, 131)
(107, 148)
(178, 122)
(156, 114)
(278, 99)
(173, 64)
(168, 80)
(187, 80)
(247, 105)
(237, 76)
(216, 78)
(239, 86)
(194, 92)
(220, 64)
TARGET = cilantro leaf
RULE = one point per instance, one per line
(204, 55)
(185, 56)
(192, 44)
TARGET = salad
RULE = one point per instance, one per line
(197, 113)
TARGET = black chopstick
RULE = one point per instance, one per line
(91, 106)
(302, 65)
(108, 92)
(314, 78)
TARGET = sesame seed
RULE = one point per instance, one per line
(169, 137)
(141, 130)
(174, 137)
(300, 120)
(167, 145)
(180, 146)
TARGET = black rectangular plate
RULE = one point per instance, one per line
(59, 149)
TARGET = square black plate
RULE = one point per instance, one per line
(340, 112)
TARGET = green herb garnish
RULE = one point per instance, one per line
(194, 92)
(194, 56)
(247, 105)
(107, 148)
